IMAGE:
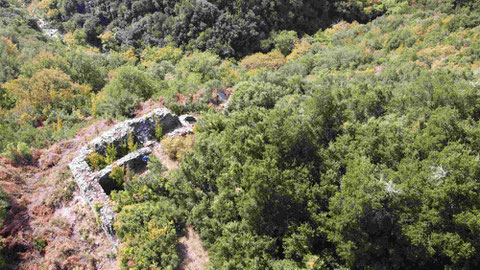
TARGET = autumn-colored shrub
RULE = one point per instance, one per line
(273, 59)
(19, 154)
(96, 161)
(177, 147)
(118, 175)
(300, 48)
(47, 90)
(153, 55)
(111, 155)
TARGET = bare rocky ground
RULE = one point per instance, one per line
(50, 225)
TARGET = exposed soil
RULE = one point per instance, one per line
(148, 106)
(194, 253)
(49, 225)
(167, 162)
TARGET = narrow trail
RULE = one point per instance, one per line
(195, 256)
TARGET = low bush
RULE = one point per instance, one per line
(273, 59)
(111, 154)
(129, 86)
(19, 154)
(118, 175)
(96, 161)
(178, 146)
(282, 41)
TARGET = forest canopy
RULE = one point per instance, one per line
(227, 28)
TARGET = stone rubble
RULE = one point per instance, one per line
(143, 132)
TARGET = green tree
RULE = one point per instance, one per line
(129, 86)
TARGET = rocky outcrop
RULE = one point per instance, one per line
(96, 185)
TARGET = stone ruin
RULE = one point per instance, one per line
(97, 185)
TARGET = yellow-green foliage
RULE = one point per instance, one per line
(118, 175)
(111, 154)
(156, 55)
(97, 205)
(97, 100)
(178, 146)
(96, 161)
(229, 71)
(158, 130)
(273, 59)
(47, 90)
(203, 64)
(77, 38)
(19, 154)
(43, 60)
(132, 145)
(108, 39)
(10, 47)
(147, 231)
(128, 55)
(299, 49)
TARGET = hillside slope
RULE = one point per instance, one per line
(355, 147)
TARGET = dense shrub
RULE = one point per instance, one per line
(45, 91)
(273, 59)
(96, 161)
(260, 94)
(128, 86)
(178, 146)
(148, 235)
(19, 154)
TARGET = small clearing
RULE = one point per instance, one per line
(195, 256)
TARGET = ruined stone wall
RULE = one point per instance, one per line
(143, 131)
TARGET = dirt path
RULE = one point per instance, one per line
(195, 255)
(167, 162)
